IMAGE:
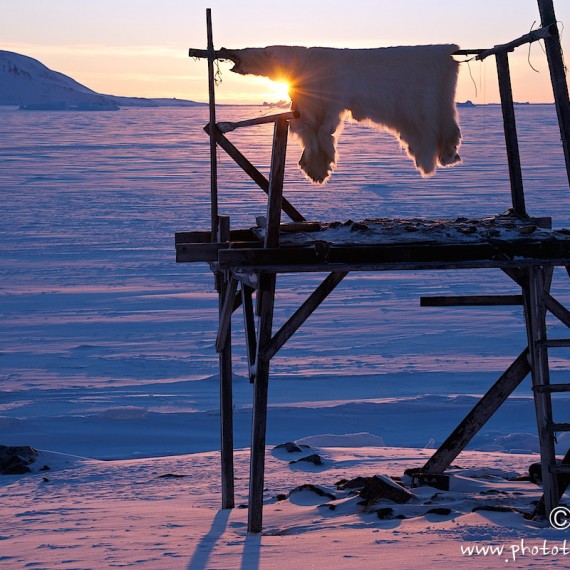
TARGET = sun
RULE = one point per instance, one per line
(275, 91)
(281, 90)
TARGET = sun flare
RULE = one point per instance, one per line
(275, 90)
(281, 90)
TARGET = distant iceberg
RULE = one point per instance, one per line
(62, 106)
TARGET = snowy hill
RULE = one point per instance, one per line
(26, 82)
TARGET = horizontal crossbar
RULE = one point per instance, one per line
(471, 300)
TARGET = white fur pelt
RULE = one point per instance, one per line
(408, 91)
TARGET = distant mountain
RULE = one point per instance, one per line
(26, 82)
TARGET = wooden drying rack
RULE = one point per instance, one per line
(246, 263)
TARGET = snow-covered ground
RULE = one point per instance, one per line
(107, 352)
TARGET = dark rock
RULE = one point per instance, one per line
(14, 460)
(435, 480)
(356, 483)
(281, 497)
(439, 511)
(171, 476)
(494, 508)
(313, 489)
(289, 447)
(314, 459)
(382, 487)
(385, 513)
(535, 473)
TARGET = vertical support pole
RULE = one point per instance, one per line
(213, 147)
(249, 326)
(535, 312)
(226, 398)
(266, 303)
(511, 139)
(557, 76)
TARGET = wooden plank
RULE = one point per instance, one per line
(302, 314)
(259, 422)
(555, 343)
(226, 388)
(533, 36)
(471, 300)
(553, 388)
(559, 426)
(254, 173)
(206, 236)
(535, 313)
(325, 257)
(293, 227)
(509, 123)
(227, 127)
(557, 70)
(199, 252)
(479, 415)
(249, 327)
(218, 54)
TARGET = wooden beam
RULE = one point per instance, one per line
(479, 415)
(266, 303)
(249, 327)
(533, 36)
(326, 257)
(276, 181)
(253, 173)
(226, 381)
(509, 123)
(227, 127)
(302, 314)
(259, 420)
(212, 108)
(217, 54)
(206, 236)
(471, 300)
(535, 312)
(557, 70)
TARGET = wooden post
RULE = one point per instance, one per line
(557, 76)
(212, 103)
(513, 156)
(249, 327)
(226, 397)
(266, 302)
(535, 313)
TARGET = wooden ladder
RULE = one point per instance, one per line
(554, 474)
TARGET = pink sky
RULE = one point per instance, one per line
(139, 47)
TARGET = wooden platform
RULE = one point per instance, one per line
(506, 240)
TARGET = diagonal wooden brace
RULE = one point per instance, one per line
(302, 314)
(226, 314)
(254, 173)
(479, 415)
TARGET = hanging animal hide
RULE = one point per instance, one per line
(408, 91)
